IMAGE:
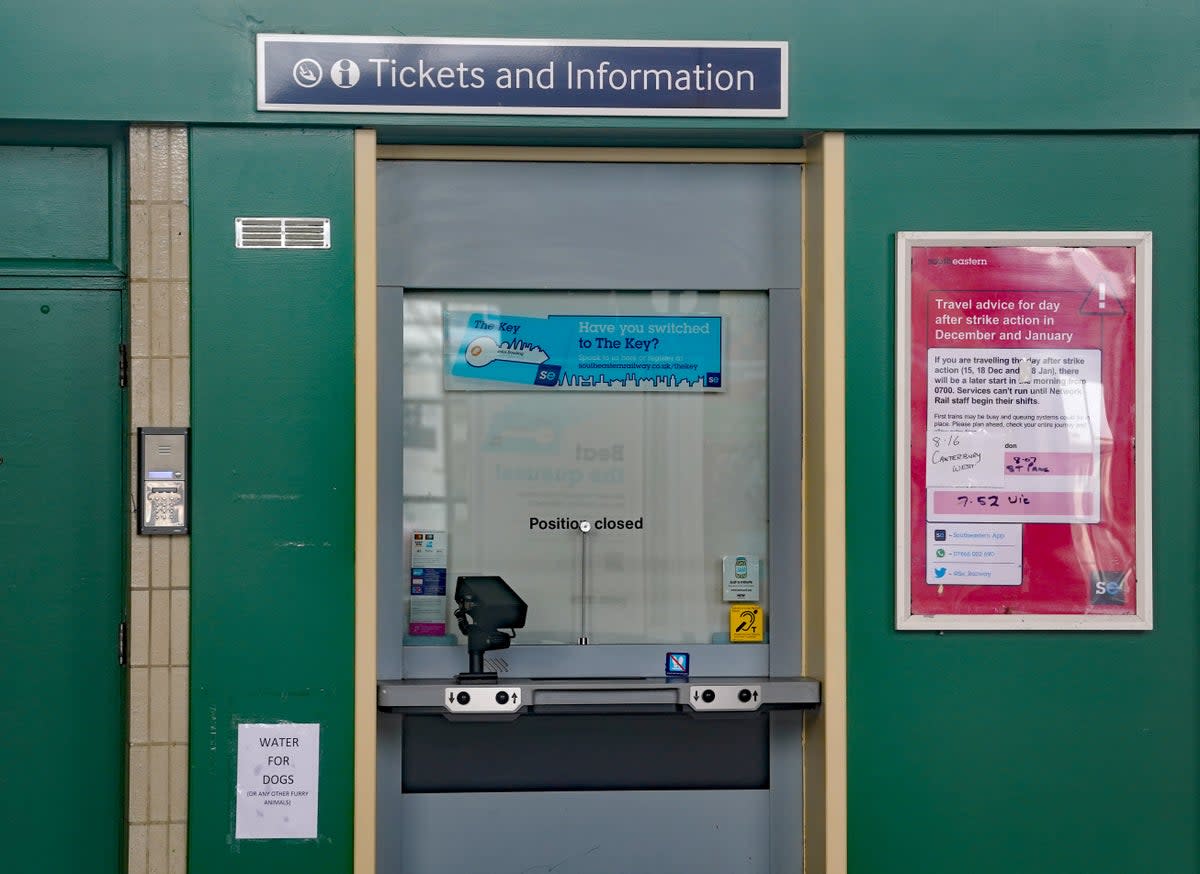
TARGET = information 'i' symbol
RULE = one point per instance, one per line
(344, 73)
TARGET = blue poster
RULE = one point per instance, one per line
(604, 353)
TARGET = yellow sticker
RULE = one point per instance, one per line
(746, 623)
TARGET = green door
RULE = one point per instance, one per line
(61, 570)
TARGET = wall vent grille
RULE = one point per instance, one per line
(281, 233)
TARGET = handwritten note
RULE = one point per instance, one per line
(964, 458)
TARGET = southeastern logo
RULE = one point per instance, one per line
(1108, 588)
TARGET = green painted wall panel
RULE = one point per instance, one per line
(62, 595)
(273, 482)
(864, 64)
(56, 203)
(1039, 752)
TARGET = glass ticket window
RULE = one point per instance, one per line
(652, 432)
(588, 379)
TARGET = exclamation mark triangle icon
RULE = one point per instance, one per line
(1101, 302)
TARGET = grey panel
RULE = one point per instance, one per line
(585, 752)
(785, 450)
(389, 773)
(665, 832)
(393, 569)
(785, 445)
(611, 694)
(787, 790)
(572, 226)
(627, 660)
(445, 224)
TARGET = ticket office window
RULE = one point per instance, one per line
(672, 479)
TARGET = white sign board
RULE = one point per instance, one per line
(277, 770)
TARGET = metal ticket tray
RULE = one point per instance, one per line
(509, 699)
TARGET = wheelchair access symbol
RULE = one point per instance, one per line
(745, 623)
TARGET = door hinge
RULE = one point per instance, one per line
(123, 365)
(122, 638)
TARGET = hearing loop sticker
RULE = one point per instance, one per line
(746, 623)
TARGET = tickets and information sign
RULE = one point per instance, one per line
(1022, 457)
(396, 74)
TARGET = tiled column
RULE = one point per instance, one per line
(159, 594)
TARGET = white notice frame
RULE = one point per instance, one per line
(906, 619)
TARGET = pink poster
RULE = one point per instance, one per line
(1023, 403)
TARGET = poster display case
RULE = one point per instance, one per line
(1023, 439)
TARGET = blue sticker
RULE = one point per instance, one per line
(677, 664)
(427, 581)
(586, 352)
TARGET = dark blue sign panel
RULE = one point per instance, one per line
(520, 77)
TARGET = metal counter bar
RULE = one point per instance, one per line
(510, 698)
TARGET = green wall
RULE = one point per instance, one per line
(56, 201)
(273, 483)
(64, 498)
(63, 192)
(866, 64)
(1041, 753)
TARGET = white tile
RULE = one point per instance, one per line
(179, 705)
(160, 241)
(139, 241)
(139, 391)
(180, 560)
(138, 840)
(177, 849)
(180, 631)
(139, 557)
(178, 137)
(160, 318)
(138, 639)
(160, 390)
(139, 783)
(139, 705)
(181, 301)
(156, 848)
(160, 563)
(179, 242)
(160, 627)
(139, 318)
(139, 163)
(181, 386)
(160, 705)
(160, 783)
(160, 164)
(177, 805)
